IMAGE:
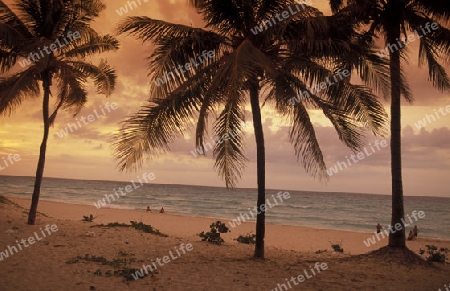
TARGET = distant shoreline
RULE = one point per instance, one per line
(24, 202)
(238, 188)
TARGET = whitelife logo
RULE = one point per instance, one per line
(166, 259)
(49, 229)
(360, 155)
(58, 44)
(128, 189)
(188, 66)
(403, 42)
(90, 118)
(431, 118)
(398, 226)
(124, 9)
(300, 278)
(341, 74)
(263, 207)
(284, 15)
(11, 158)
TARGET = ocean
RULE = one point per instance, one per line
(342, 211)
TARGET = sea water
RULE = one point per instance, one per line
(342, 211)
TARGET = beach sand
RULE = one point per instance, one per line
(290, 251)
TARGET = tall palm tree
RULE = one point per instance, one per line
(282, 59)
(48, 38)
(392, 20)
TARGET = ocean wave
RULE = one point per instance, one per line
(116, 206)
(297, 206)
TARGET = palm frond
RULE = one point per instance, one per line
(10, 19)
(151, 130)
(360, 103)
(7, 60)
(229, 146)
(96, 45)
(436, 72)
(71, 89)
(15, 89)
(146, 28)
(437, 9)
(302, 135)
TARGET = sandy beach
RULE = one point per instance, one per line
(50, 263)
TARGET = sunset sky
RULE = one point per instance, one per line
(86, 152)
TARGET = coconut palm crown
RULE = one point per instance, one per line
(398, 23)
(256, 63)
(43, 44)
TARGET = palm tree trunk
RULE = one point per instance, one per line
(396, 239)
(261, 169)
(43, 149)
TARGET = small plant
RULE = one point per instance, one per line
(121, 266)
(116, 224)
(4, 200)
(213, 236)
(124, 254)
(136, 225)
(249, 239)
(435, 254)
(128, 273)
(337, 247)
(89, 218)
(146, 228)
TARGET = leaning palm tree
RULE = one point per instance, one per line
(392, 20)
(244, 60)
(48, 39)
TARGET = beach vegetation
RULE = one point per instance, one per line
(270, 68)
(146, 228)
(337, 247)
(213, 236)
(124, 254)
(89, 218)
(435, 254)
(392, 21)
(136, 225)
(62, 30)
(121, 265)
(4, 200)
(249, 239)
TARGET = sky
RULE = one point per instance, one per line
(86, 153)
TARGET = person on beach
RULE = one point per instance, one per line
(415, 230)
(378, 228)
(411, 235)
(148, 209)
(162, 210)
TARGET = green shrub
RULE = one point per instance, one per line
(136, 225)
(89, 218)
(249, 239)
(213, 236)
(435, 254)
(337, 247)
(146, 228)
(121, 266)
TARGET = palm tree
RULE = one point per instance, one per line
(392, 20)
(282, 59)
(51, 36)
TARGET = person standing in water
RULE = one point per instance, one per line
(415, 230)
(378, 228)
